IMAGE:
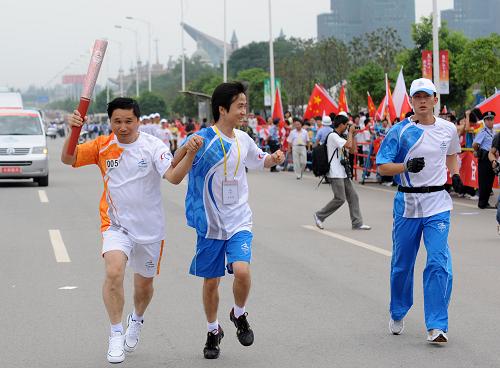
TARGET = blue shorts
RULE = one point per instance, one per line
(210, 258)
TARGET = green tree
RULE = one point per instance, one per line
(368, 78)
(480, 63)
(100, 104)
(66, 105)
(150, 102)
(454, 42)
(256, 54)
(255, 78)
(380, 46)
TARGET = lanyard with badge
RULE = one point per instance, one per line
(229, 187)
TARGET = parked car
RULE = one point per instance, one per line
(23, 146)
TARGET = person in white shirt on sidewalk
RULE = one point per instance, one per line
(298, 140)
(340, 175)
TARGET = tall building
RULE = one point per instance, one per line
(351, 18)
(474, 21)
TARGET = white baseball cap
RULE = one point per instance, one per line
(326, 120)
(343, 113)
(156, 115)
(422, 85)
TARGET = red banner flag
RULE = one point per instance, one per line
(343, 100)
(400, 97)
(278, 109)
(444, 73)
(320, 103)
(427, 64)
(371, 106)
(386, 109)
(491, 104)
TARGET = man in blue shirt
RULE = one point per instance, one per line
(417, 152)
(482, 145)
(217, 207)
(324, 130)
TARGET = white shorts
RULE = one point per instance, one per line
(143, 258)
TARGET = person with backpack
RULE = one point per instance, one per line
(339, 174)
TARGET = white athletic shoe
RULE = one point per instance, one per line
(115, 348)
(133, 333)
(437, 336)
(396, 327)
(362, 227)
(318, 222)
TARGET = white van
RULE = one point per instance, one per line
(23, 146)
(11, 100)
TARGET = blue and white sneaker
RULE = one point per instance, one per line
(115, 348)
(437, 336)
(133, 334)
(396, 327)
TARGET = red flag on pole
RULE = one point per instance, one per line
(320, 103)
(491, 104)
(278, 109)
(343, 100)
(386, 108)
(400, 97)
(371, 106)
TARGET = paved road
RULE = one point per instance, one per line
(319, 299)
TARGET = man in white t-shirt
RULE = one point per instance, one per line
(339, 174)
(217, 207)
(132, 164)
(417, 152)
(298, 140)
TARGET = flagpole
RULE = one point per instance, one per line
(435, 54)
(225, 45)
(271, 58)
(183, 65)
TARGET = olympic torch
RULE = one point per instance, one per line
(88, 87)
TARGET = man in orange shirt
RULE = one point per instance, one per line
(132, 164)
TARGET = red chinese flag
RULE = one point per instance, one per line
(386, 108)
(278, 109)
(343, 100)
(371, 106)
(320, 103)
(491, 104)
(405, 108)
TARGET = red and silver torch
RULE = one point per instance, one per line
(88, 87)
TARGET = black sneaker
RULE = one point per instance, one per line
(212, 350)
(243, 330)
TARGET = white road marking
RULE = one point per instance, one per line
(58, 245)
(350, 240)
(68, 287)
(43, 196)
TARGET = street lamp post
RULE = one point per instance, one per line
(225, 45)
(271, 57)
(134, 31)
(435, 54)
(182, 47)
(148, 23)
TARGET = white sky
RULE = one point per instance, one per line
(39, 39)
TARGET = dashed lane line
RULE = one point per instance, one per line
(346, 239)
(43, 196)
(58, 246)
